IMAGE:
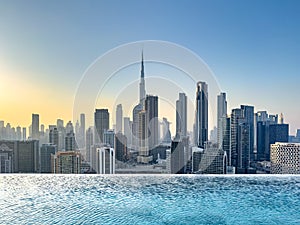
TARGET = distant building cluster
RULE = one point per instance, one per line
(243, 142)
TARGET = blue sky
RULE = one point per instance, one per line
(45, 46)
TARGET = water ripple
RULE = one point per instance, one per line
(166, 199)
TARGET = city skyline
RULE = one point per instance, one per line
(43, 58)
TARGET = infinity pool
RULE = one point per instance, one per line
(149, 199)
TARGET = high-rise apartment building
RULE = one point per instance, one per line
(67, 162)
(285, 158)
(6, 158)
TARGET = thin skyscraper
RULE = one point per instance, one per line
(181, 116)
(201, 115)
(35, 126)
(221, 117)
(119, 119)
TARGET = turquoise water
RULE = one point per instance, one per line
(137, 199)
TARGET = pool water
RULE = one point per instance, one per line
(149, 199)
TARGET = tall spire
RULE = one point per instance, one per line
(142, 81)
(142, 65)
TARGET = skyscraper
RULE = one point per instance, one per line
(242, 138)
(53, 136)
(226, 140)
(61, 134)
(268, 132)
(119, 119)
(248, 114)
(151, 108)
(89, 144)
(35, 127)
(221, 117)
(201, 115)
(181, 115)
(70, 143)
(101, 124)
(138, 108)
(143, 156)
(236, 116)
(82, 131)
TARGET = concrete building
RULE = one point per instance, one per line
(105, 160)
(6, 158)
(67, 162)
(213, 160)
(177, 157)
(285, 158)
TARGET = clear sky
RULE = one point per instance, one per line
(45, 46)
